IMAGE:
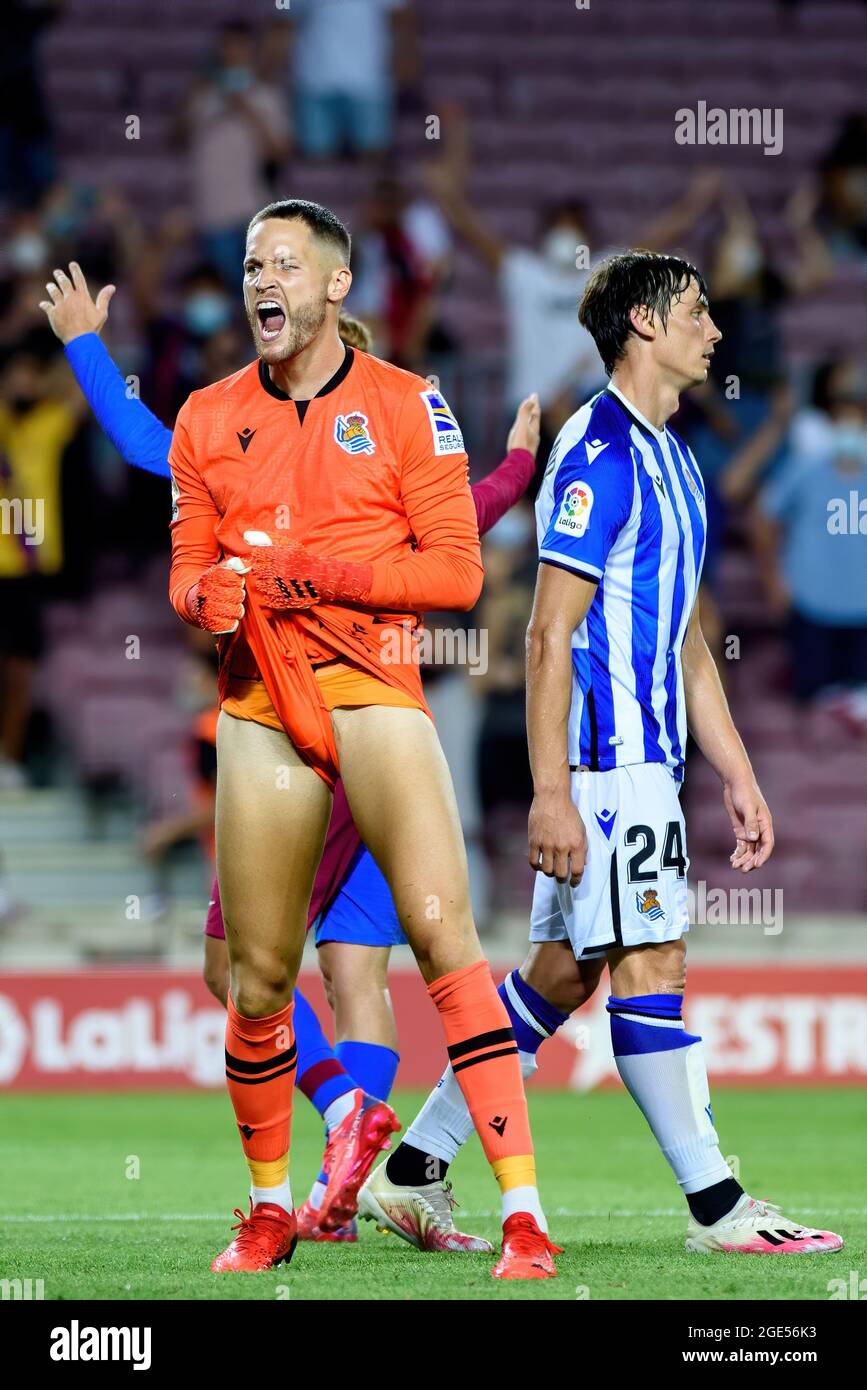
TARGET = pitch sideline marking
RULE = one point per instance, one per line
(596, 1215)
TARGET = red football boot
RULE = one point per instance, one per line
(309, 1228)
(527, 1252)
(266, 1238)
(351, 1152)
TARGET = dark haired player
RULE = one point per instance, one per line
(617, 672)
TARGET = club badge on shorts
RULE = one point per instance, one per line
(352, 434)
(649, 906)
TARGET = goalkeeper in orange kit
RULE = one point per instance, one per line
(321, 502)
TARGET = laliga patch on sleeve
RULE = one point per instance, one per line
(575, 509)
(176, 497)
(447, 437)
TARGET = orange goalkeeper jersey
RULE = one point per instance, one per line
(371, 470)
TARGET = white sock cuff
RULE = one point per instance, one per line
(528, 1063)
(521, 1009)
(278, 1196)
(524, 1199)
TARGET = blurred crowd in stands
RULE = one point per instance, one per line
(779, 447)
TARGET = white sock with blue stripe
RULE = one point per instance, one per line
(444, 1123)
(663, 1068)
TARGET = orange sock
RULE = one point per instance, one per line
(260, 1074)
(484, 1058)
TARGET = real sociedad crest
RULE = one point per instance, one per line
(648, 904)
(352, 434)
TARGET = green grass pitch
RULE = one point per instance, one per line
(71, 1216)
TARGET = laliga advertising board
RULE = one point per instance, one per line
(121, 1030)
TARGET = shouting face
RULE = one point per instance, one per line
(290, 278)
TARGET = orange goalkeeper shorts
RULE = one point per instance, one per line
(342, 685)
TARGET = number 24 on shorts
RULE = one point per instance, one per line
(672, 857)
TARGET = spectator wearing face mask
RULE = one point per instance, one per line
(810, 535)
(25, 254)
(177, 336)
(541, 286)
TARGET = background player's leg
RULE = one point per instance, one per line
(272, 816)
(356, 980)
(366, 1050)
(353, 938)
(321, 1074)
(326, 1083)
(400, 793)
(215, 971)
(443, 1125)
(361, 916)
(663, 1068)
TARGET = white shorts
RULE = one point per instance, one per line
(634, 886)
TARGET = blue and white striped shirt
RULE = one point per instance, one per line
(622, 504)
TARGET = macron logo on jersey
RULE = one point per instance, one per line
(594, 448)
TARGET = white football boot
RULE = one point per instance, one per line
(420, 1215)
(759, 1228)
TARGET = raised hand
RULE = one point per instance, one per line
(70, 308)
(524, 433)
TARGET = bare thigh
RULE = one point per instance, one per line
(402, 801)
(271, 820)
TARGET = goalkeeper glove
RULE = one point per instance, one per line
(288, 576)
(216, 601)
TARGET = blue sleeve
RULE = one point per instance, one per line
(135, 432)
(592, 503)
